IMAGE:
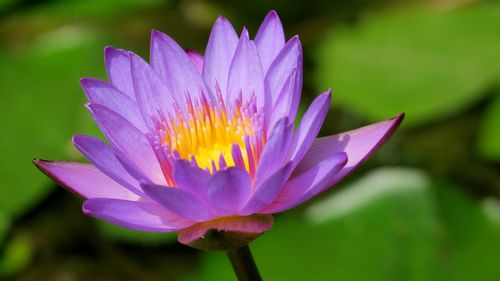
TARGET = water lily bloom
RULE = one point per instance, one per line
(205, 145)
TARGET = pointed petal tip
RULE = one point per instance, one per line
(272, 16)
(156, 34)
(272, 13)
(109, 49)
(87, 82)
(244, 34)
(77, 139)
(221, 21)
(399, 117)
(325, 96)
(41, 164)
(221, 18)
(396, 122)
(295, 40)
(38, 163)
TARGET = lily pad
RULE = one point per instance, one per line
(489, 137)
(43, 106)
(426, 61)
(68, 9)
(471, 232)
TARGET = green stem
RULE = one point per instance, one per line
(243, 264)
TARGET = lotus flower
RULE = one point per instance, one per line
(205, 145)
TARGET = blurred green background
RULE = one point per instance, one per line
(425, 207)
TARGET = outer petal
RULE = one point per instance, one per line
(130, 143)
(219, 54)
(288, 60)
(275, 151)
(288, 103)
(100, 92)
(245, 75)
(153, 97)
(358, 144)
(305, 185)
(142, 216)
(118, 69)
(309, 126)
(191, 178)
(178, 201)
(269, 39)
(84, 179)
(103, 157)
(174, 67)
(228, 190)
(266, 192)
(196, 58)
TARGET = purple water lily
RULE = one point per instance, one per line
(206, 145)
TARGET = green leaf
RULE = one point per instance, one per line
(43, 109)
(489, 137)
(471, 230)
(69, 9)
(427, 62)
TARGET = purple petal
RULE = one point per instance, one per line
(102, 156)
(266, 192)
(196, 58)
(269, 39)
(129, 142)
(191, 178)
(309, 126)
(152, 95)
(118, 69)
(173, 66)
(288, 60)
(85, 180)
(305, 185)
(219, 54)
(100, 92)
(141, 216)
(288, 103)
(178, 201)
(228, 190)
(358, 144)
(245, 75)
(275, 151)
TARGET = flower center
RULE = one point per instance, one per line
(212, 135)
